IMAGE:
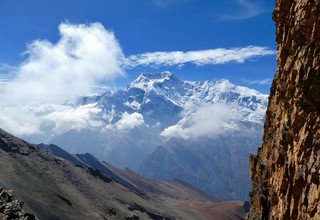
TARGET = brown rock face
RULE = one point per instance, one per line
(285, 173)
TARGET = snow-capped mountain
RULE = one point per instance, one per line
(190, 95)
(157, 107)
(161, 95)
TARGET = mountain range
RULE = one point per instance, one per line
(158, 121)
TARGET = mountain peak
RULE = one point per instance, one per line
(158, 76)
(147, 80)
(166, 75)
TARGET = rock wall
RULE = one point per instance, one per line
(12, 209)
(285, 172)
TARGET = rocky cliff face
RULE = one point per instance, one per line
(12, 209)
(285, 173)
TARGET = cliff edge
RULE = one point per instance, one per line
(285, 172)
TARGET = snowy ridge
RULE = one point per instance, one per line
(155, 90)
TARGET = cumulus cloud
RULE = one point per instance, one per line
(68, 118)
(201, 57)
(51, 118)
(208, 121)
(56, 72)
(34, 96)
(128, 122)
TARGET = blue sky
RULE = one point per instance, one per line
(142, 26)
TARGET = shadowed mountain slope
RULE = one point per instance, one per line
(175, 193)
(54, 188)
(219, 166)
(186, 196)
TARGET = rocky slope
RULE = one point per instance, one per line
(53, 188)
(175, 188)
(285, 172)
(175, 192)
(88, 161)
(128, 178)
(187, 196)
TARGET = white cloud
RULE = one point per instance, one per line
(246, 9)
(208, 121)
(259, 82)
(48, 118)
(201, 57)
(16, 120)
(3, 81)
(6, 73)
(69, 118)
(84, 55)
(6, 69)
(33, 96)
(128, 122)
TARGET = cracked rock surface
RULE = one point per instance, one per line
(12, 209)
(285, 172)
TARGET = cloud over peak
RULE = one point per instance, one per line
(128, 122)
(222, 117)
(84, 55)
